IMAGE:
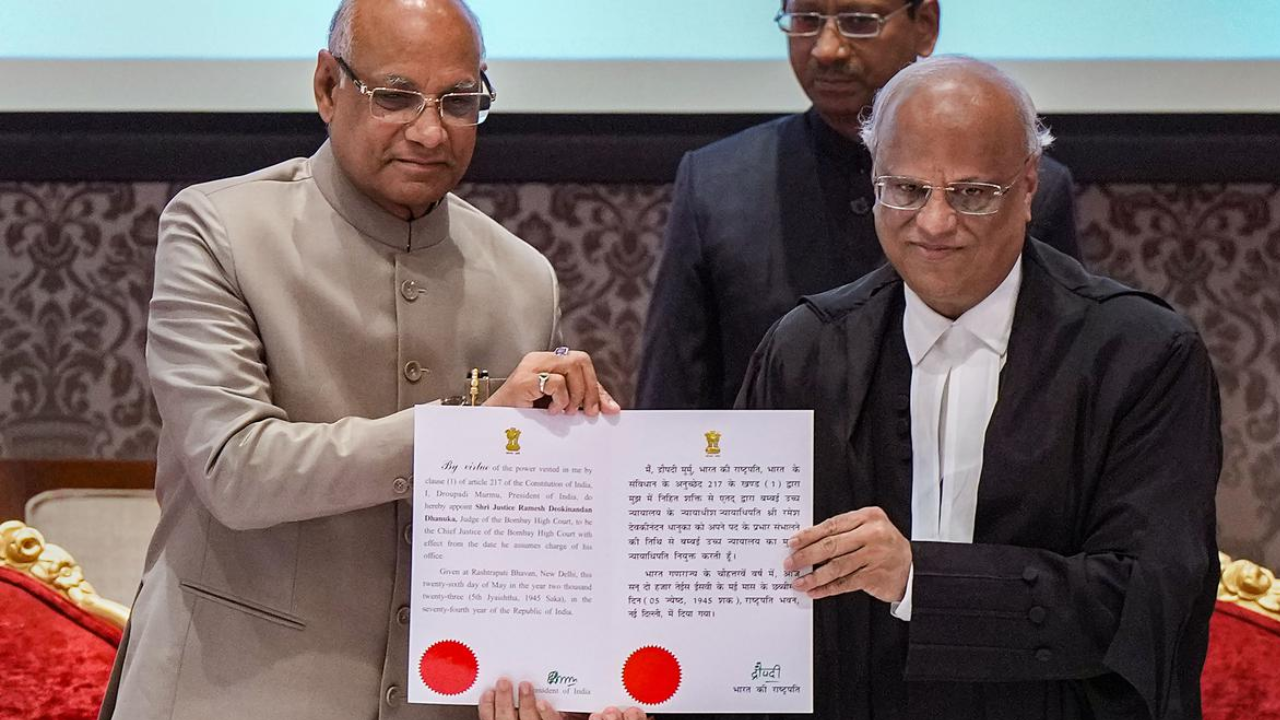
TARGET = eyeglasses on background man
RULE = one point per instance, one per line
(850, 24)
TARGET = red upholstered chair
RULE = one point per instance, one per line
(58, 638)
(1241, 678)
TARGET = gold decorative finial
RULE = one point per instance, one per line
(22, 548)
(1249, 585)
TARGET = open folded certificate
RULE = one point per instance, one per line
(625, 560)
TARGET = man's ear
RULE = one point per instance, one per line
(1032, 179)
(325, 83)
(928, 20)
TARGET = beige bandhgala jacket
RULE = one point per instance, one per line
(293, 327)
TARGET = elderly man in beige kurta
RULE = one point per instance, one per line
(298, 316)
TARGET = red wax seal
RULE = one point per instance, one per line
(449, 667)
(651, 675)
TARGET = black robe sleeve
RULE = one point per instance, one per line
(1134, 602)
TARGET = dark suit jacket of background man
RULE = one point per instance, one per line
(749, 234)
(1088, 587)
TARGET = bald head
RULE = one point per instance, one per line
(957, 88)
(956, 129)
(428, 47)
(342, 28)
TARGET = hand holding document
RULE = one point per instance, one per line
(626, 560)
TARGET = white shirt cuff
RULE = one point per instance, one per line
(902, 609)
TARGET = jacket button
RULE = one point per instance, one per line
(413, 371)
(393, 695)
(1030, 575)
(1044, 655)
(409, 290)
(408, 534)
(402, 616)
(1037, 615)
(400, 485)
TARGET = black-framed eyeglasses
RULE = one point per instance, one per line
(850, 24)
(397, 105)
(967, 198)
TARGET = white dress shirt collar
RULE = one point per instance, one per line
(990, 321)
(955, 383)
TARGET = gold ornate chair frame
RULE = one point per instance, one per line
(1249, 586)
(24, 549)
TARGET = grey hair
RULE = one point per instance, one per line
(923, 71)
(340, 28)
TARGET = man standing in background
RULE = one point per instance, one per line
(783, 209)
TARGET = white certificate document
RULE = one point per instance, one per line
(625, 560)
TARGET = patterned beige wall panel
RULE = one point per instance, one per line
(604, 242)
(1213, 252)
(76, 268)
(75, 277)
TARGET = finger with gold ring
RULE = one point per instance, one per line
(543, 377)
(562, 350)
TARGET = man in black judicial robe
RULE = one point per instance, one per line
(1087, 587)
